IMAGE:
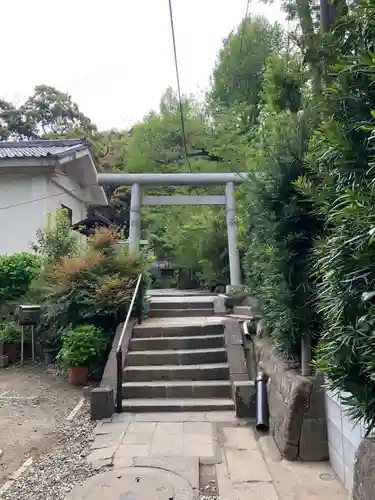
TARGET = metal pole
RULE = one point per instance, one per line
(135, 219)
(119, 381)
(234, 258)
(22, 339)
(32, 343)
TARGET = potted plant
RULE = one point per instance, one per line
(50, 351)
(50, 345)
(82, 346)
(49, 335)
(10, 337)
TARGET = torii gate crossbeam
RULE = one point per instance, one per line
(136, 181)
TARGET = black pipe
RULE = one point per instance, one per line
(262, 418)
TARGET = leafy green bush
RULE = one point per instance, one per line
(93, 287)
(57, 239)
(17, 271)
(82, 346)
(10, 331)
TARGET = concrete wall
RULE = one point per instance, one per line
(344, 438)
(34, 196)
(18, 224)
(296, 406)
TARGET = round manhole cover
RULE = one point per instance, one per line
(135, 483)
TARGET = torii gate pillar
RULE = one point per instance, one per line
(234, 258)
(135, 219)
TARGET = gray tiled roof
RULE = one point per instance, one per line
(40, 148)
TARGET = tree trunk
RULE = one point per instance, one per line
(309, 41)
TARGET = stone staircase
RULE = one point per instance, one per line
(177, 360)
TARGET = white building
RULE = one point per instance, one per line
(37, 177)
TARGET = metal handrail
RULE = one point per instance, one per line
(119, 347)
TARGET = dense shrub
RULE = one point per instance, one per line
(82, 346)
(93, 287)
(281, 226)
(10, 331)
(17, 271)
(341, 183)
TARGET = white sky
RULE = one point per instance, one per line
(114, 57)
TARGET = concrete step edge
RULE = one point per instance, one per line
(179, 383)
(186, 309)
(158, 352)
(180, 337)
(205, 366)
(160, 306)
(179, 404)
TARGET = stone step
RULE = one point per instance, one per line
(238, 317)
(185, 404)
(179, 313)
(208, 371)
(246, 311)
(142, 331)
(176, 357)
(177, 389)
(153, 305)
(188, 342)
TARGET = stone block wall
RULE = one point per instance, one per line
(296, 407)
(364, 471)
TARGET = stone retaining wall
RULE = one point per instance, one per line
(364, 471)
(296, 406)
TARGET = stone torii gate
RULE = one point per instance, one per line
(138, 181)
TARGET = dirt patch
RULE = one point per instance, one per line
(34, 401)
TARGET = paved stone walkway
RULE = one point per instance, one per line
(157, 456)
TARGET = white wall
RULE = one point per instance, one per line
(61, 196)
(344, 437)
(18, 224)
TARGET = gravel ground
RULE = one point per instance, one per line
(208, 483)
(34, 402)
(54, 474)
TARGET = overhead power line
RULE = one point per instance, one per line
(7, 207)
(183, 132)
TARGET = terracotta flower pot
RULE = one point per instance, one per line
(12, 351)
(78, 375)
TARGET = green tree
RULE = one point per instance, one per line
(281, 225)
(14, 123)
(50, 111)
(57, 239)
(238, 75)
(156, 145)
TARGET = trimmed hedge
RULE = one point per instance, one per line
(17, 271)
